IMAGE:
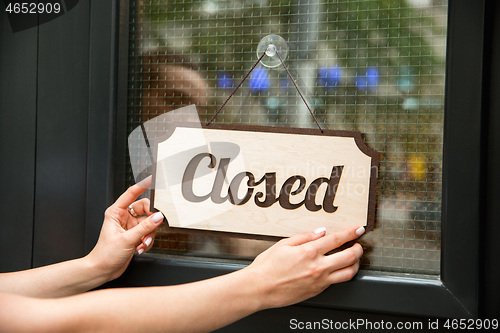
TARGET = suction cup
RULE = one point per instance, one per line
(272, 45)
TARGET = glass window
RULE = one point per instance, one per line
(373, 66)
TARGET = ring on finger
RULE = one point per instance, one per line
(131, 211)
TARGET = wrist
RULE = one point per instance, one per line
(97, 273)
(258, 289)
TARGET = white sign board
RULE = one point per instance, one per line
(264, 180)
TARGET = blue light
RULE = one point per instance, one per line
(369, 81)
(259, 80)
(285, 83)
(361, 82)
(225, 80)
(329, 77)
(372, 77)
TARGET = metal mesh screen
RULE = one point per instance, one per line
(373, 66)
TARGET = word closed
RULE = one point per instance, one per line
(250, 180)
(269, 179)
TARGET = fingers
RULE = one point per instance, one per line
(132, 193)
(304, 237)
(345, 258)
(141, 207)
(146, 227)
(336, 239)
(146, 182)
(344, 274)
(146, 243)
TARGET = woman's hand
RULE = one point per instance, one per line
(122, 233)
(292, 270)
(296, 268)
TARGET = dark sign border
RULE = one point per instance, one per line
(285, 130)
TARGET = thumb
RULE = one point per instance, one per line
(144, 228)
(305, 237)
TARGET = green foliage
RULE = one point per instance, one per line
(362, 33)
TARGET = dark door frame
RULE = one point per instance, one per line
(71, 96)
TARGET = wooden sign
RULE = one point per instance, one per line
(264, 180)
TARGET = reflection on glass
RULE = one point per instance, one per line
(372, 66)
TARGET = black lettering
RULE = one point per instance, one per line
(331, 191)
(187, 178)
(262, 199)
(235, 186)
(220, 177)
(311, 192)
(270, 196)
(285, 192)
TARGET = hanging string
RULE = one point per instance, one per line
(237, 87)
(250, 71)
(298, 90)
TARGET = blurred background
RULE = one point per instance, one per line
(374, 66)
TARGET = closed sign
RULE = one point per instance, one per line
(264, 180)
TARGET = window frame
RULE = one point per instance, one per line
(455, 294)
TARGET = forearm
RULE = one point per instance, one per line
(290, 271)
(61, 279)
(196, 307)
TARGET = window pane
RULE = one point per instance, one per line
(373, 66)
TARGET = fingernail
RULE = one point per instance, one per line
(320, 230)
(140, 251)
(148, 241)
(360, 231)
(157, 217)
